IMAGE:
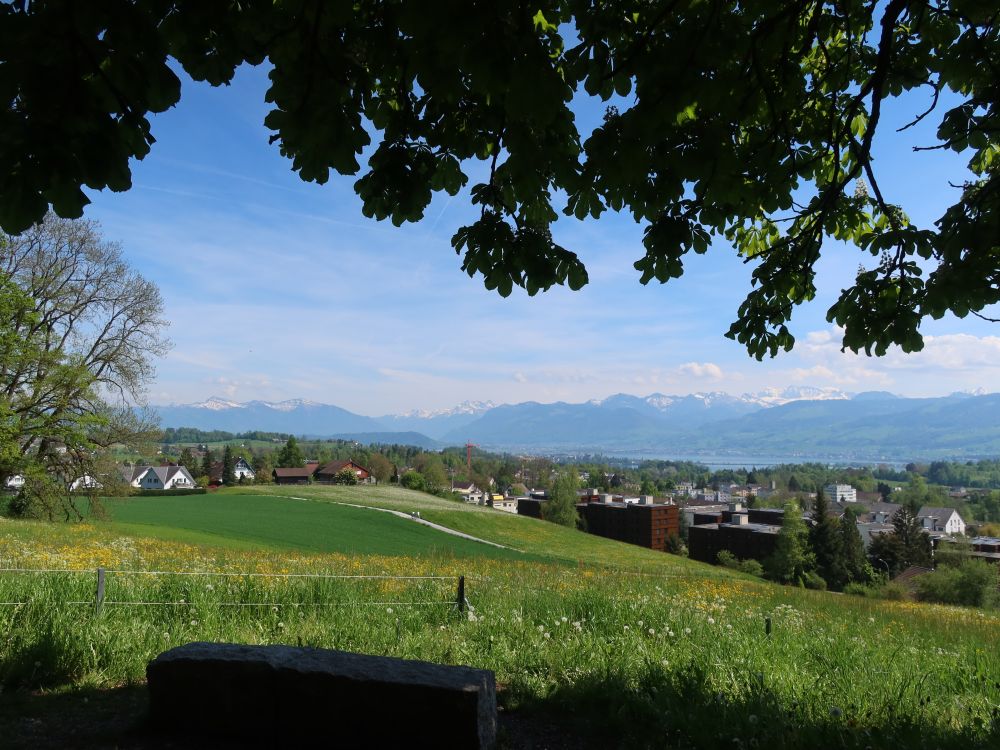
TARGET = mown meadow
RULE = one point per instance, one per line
(617, 645)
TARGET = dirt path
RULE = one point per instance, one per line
(411, 517)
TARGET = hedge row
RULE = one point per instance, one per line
(161, 493)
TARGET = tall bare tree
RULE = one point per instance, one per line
(79, 330)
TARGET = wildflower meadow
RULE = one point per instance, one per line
(629, 655)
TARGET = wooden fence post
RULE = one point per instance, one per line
(767, 626)
(460, 601)
(99, 599)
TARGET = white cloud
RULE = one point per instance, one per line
(948, 362)
(703, 370)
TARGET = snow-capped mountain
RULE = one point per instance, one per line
(720, 399)
(217, 403)
(780, 396)
(213, 403)
(437, 423)
(466, 407)
(821, 421)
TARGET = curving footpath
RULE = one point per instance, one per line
(410, 517)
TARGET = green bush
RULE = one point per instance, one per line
(972, 583)
(168, 493)
(858, 589)
(753, 567)
(893, 592)
(813, 580)
(345, 476)
(413, 480)
(727, 559)
(676, 546)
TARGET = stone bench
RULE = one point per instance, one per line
(284, 696)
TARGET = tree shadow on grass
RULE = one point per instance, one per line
(659, 709)
(88, 719)
(679, 709)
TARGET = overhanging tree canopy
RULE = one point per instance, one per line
(742, 123)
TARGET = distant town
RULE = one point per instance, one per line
(887, 524)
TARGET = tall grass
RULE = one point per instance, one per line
(663, 660)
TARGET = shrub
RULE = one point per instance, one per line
(345, 476)
(727, 559)
(17, 505)
(676, 546)
(972, 583)
(858, 589)
(413, 480)
(168, 493)
(893, 592)
(753, 567)
(813, 580)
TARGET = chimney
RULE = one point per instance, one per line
(606, 498)
(739, 519)
(645, 499)
(735, 507)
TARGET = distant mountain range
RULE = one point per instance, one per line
(789, 423)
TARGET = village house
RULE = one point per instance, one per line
(293, 475)
(242, 470)
(14, 482)
(946, 520)
(986, 548)
(504, 503)
(158, 477)
(328, 472)
(86, 482)
(468, 490)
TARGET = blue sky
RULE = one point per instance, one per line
(276, 288)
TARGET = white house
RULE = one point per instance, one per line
(840, 493)
(242, 470)
(470, 493)
(505, 503)
(941, 519)
(14, 482)
(159, 478)
(86, 482)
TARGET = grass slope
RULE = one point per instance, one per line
(549, 541)
(289, 524)
(626, 647)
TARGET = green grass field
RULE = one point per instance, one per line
(618, 646)
(288, 524)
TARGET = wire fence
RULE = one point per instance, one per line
(100, 599)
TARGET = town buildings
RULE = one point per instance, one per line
(840, 493)
(640, 521)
